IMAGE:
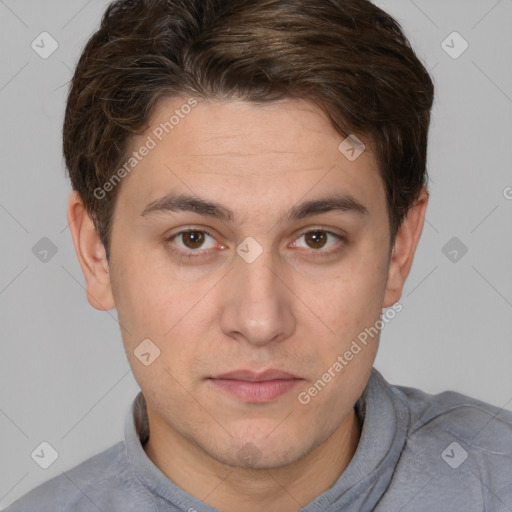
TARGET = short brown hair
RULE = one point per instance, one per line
(348, 57)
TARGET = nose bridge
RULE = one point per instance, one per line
(258, 277)
(259, 306)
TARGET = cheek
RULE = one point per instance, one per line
(153, 304)
(350, 298)
(145, 300)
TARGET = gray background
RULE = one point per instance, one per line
(64, 377)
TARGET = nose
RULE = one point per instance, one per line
(258, 305)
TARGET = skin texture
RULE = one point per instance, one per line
(290, 309)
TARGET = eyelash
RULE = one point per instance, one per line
(198, 254)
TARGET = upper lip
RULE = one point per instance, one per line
(250, 376)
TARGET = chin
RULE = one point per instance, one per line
(261, 453)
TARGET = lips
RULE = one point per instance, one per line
(250, 376)
(255, 387)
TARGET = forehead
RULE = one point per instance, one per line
(287, 148)
(240, 128)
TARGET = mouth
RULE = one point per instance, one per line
(255, 387)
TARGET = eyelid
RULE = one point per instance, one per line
(326, 229)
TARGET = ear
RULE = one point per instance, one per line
(91, 255)
(404, 249)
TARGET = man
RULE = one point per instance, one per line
(250, 188)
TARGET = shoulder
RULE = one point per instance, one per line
(467, 418)
(102, 482)
(458, 444)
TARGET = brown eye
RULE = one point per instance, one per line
(321, 243)
(316, 239)
(192, 240)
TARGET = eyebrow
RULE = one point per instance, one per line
(186, 203)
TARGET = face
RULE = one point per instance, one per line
(269, 275)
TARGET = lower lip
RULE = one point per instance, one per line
(263, 391)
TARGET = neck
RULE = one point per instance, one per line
(231, 489)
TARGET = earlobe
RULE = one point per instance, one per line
(91, 254)
(406, 242)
